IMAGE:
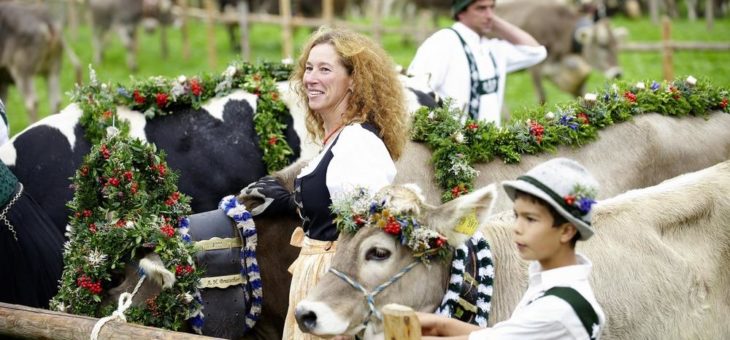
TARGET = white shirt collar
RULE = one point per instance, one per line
(562, 276)
(467, 33)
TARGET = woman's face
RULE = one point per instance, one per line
(326, 80)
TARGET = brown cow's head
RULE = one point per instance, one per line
(600, 46)
(372, 257)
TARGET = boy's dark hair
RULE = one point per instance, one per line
(558, 219)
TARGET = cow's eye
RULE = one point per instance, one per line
(377, 254)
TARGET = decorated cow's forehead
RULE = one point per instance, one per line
(395, 210)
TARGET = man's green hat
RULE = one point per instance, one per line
(459, 5)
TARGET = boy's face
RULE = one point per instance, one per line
(534, 235)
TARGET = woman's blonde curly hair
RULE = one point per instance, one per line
(377, 94)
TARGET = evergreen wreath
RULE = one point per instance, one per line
(458, 143)
(159, 96)
(126, 203)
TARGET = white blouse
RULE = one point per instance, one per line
(360, 159)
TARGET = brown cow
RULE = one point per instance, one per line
(125, 16)
(629, 155)
(31, 43)
(660, 262)
(564, 31)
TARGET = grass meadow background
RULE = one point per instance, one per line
(266, 45)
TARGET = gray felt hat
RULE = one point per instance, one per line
(564, 184)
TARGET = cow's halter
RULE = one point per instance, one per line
(370, 296)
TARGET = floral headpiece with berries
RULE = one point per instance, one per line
(580, 200)
(360, 209)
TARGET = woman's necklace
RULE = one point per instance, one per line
(326, 138)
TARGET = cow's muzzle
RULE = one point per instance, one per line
(613, 72)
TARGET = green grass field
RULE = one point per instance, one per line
(266, 45)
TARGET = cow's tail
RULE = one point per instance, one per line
(74, 59)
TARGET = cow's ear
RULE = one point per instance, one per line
(460, 218)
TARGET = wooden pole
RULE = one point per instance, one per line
(709, 14)
(401, 323)
(243, 12)
(377, 28)
(184, 28)
(667, 68)
(328, 12)
(34, 323)
(210, 24)
(654, 11)
(286, 29)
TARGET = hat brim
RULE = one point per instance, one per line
(511, 186)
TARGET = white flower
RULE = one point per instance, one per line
(640, 85)
(177, 90)
(96, 258)
(614, 87)
(111, 131)
(431, 115)
(92, 76)
(181, 79)
(103, 86)
(691, 81)
(129, 225)
(61, 307)
(287, 61)
(459, 137)
(230, 71)
(550, 115)
(590, 97)
(187, 297)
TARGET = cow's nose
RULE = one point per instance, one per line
(306, 319)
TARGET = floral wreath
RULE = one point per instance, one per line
(457, 145)
(159, 96)
(359, 209)
(126, 202)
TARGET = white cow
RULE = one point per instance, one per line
(661, 257)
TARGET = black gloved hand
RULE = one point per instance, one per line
(276, 198)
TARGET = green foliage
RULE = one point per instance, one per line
(457, 146)
(125, 205)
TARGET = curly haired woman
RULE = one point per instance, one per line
(356, 107)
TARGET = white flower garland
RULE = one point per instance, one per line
(485, 280)
(249, 264)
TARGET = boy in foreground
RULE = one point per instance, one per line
(552, 205)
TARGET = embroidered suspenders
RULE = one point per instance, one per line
(580, 305)
(478, 87)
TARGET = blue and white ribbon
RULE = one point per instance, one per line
(249, 264)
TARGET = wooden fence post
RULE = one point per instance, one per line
(709, 14)
(184, 28)
(667, 66)
(243, 12)
(654, 11)
(210, 25)
(286, 29)
(328, 12)
(401, 323)
(377, 28)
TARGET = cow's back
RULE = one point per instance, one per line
(30, 39)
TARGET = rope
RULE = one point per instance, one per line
(125, 301)
(370, 296)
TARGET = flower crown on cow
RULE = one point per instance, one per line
(359, 208)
